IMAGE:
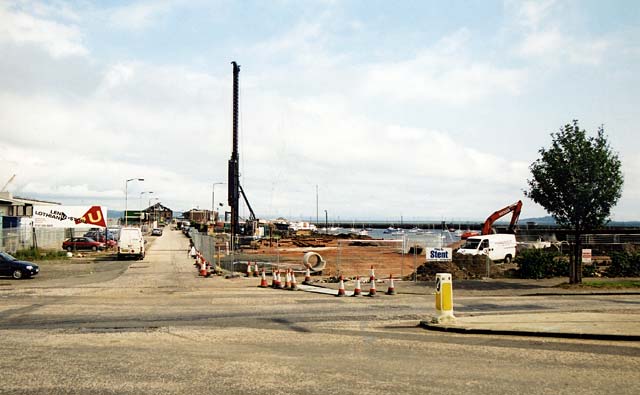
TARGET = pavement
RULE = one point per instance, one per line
(569, 325)
(596, 324)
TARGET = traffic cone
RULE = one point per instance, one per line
(280, 284)
(294, 282)
(287, 282)
(274, 279)
(357, 291)
(255, 269)
(203, 268)
(372, 290)
(341, 288)
(249, 269)
(372, 275)
(392, 289)
(263, 280)
(307, 277)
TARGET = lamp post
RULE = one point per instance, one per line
(154, 209)
(126, 196)
(213, 197)
(140, 203)
(326, 222)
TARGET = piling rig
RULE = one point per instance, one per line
(235, 189)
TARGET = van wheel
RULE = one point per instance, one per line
(507, 259)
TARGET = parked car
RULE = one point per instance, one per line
(99, 236)
(156, 232)
(10, 266)
(82, 243)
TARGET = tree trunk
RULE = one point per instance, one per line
(575, 259)
(578, 259)
(572, 271)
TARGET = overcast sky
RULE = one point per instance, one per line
(421, 109)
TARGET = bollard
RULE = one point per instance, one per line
(444, 299)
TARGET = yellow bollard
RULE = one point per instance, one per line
(444, 299)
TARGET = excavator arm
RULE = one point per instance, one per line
(515, 208)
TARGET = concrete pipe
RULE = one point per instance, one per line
(313, 261)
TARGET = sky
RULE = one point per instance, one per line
(423, 110)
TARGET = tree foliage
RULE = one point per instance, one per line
(577, 180)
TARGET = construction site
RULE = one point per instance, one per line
(407, 253)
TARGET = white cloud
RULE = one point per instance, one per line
(139, 15)
(533, 13)
(59, 40)
(443, 73)
(548, 37)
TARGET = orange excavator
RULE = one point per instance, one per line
(487, 229)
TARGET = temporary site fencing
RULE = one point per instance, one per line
(25, 237)
(349, 257)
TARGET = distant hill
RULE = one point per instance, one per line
(115, 213)
(548, 220)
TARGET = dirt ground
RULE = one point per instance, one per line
(356, 256)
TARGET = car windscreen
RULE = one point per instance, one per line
(7, 257)
(471, 244)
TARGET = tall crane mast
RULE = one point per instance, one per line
(235, 189)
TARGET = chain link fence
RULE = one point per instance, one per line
(22, 238)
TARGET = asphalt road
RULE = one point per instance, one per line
(154, 326)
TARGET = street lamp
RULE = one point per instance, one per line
(154, 209)
(140, 203)
(326, 222)
(142, 193)
(213, 197)
(126, 196)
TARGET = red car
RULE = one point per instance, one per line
(82, 243)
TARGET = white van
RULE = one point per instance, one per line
(499, 247)
(131, 243)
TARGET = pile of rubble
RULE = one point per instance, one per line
(464, 267)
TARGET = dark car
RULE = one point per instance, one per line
(10, 266)
(82, 243)
(156, 232)
(99, 236)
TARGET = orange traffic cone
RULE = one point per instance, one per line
(372, 275)
(249, 269)
(274, 279)
(307, 277)
(263, 280)
(280, 284)
(341, 288)
(372, 290)
(255, 269)
(287, 282)
(392, 289)
(357, 291)
(294, 282)
(203, 268)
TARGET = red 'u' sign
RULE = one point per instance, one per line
(94, 217)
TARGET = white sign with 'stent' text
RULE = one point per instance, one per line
(439, 254)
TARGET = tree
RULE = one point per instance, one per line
(578, 180)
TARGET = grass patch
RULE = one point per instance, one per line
(612, 284)
(31, 254)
